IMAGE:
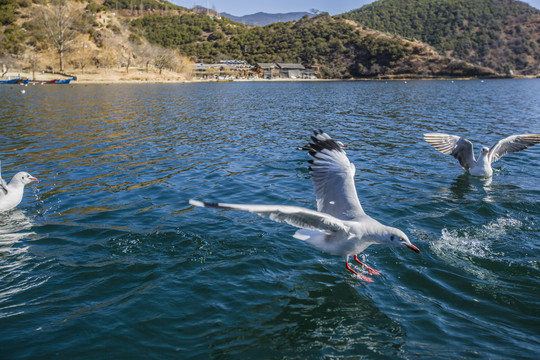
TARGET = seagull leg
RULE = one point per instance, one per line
(371, 270)
(365, 278)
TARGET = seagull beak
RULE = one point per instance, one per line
(413, 248)
(33, 179)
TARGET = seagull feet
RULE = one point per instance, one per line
(369, 269)
(365, 278)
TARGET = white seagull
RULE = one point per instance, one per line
(339, 226)
(11, 194)
(462, 150)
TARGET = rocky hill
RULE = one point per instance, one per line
(500, 34)
(85, 37)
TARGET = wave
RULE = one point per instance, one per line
(475, 241)
(479, 251)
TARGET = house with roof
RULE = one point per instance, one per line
(284, 71)
(267, 70)
(229, 69)
(290, 71)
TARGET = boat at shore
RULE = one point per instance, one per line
(63, 81)
(15, 81)
(53, 81)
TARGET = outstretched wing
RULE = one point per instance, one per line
(458, 147)
(512, 144)
(333, 178)
(292, 215)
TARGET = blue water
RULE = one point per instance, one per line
(104, 259)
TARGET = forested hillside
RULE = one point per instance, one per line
(501, 34)
(340, 47)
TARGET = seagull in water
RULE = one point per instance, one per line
(339, 226)
(462, 150)
(11, 194)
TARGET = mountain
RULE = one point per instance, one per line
(339, 47)
(262, 18)
(153, 34)
(501, 34)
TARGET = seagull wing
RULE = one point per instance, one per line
(3, 187)
(3, 184)
(512, 144)
(458, 147)
(333, 179)
(292, 215)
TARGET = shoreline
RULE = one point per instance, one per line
(137, 77)
(199, 81)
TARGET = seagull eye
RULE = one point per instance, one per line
(392, 238)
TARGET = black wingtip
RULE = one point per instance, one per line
(203, 204)
(318, 145)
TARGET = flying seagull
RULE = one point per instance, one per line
(462, 150)
(11, 194)
(339, 226)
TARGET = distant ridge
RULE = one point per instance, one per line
(500, 34)
(262, 18)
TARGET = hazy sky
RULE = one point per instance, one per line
(244, 7)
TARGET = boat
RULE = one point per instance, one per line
(14, 81)
(63, 81)
(53, 81)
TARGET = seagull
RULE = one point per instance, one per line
(11, 194)
(339, 226)
(462, 150)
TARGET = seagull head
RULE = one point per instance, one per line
(397, 237)
(24, 178)
(484, 151)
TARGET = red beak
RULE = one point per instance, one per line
(413, 248)
(33, 179)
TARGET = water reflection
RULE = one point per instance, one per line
(12, 226)
(466, 183)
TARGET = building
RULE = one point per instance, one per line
(267, 70)
(225, 69)
(240, 69)
(284, 71)
(290, 71)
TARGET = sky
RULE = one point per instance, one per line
(244, 7)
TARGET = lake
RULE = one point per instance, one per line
(105, 259)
